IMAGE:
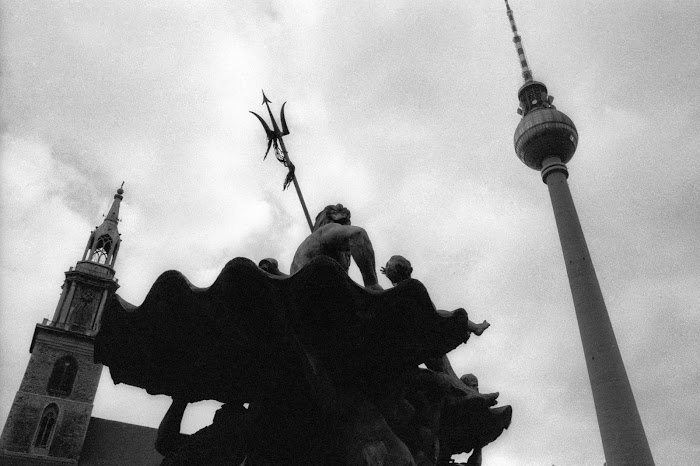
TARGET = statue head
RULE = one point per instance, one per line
(471, 381)
(397, 269)
(269, 265)
(332, 214)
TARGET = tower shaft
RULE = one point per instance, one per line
(545, 140)
(621, 429)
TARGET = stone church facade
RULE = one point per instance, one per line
(50, 419)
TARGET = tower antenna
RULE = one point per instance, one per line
(527, 74)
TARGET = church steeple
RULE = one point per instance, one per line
(49, 418)
(87, 285)
(103, 245)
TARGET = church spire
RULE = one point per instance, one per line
(103, 245)
(89, 283)
(113, 215)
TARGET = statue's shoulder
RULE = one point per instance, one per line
(336, 231)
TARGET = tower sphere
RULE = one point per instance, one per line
(545, 132)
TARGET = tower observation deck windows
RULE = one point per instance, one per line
(63, 376)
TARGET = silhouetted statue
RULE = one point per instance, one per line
(464, 429)
(329, 370)
(398, 269)
(467, 423)
(221, 443)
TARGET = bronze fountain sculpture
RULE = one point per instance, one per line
(312, 368)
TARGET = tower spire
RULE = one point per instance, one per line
(87, 286)
(527, 74)
(532, 94)
(113, 215)
(103, 245)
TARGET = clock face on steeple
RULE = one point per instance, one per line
(85, 305)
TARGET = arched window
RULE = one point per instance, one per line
(63, 376)
(47, 425)
(102, 248)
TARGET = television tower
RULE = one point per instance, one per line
(546, 140)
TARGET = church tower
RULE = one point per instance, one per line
(51, 411)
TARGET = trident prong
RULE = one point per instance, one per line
(275, 133)
(274, 139)
(270, 134)
(285, 131)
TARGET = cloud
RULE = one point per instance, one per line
(404, 112)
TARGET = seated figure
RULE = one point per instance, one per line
(398, 269)
(335, 237)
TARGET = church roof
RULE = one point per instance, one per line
(115, 443)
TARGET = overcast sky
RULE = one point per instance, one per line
(404, 111)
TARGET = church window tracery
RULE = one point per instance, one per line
(102, 248)
(46, 427)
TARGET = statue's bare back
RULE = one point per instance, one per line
(333, 236)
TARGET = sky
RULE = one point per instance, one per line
(404, 111)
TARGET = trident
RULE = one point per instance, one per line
(274, 139)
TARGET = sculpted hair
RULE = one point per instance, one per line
(324, 217)
(469, 380)
(398, 269)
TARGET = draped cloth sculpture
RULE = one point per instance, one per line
(323, 363)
